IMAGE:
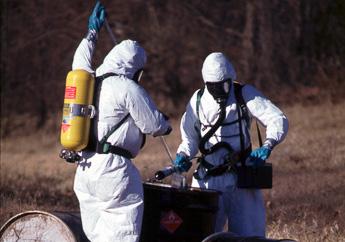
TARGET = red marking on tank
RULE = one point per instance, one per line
(70, 92)
(65, 127)
(170, 221)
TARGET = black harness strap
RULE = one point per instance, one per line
(91, 146)
(240, 101)
(104, 147)
(197, 125)
(104, 76)
(240, 107)
(198, 98)
(212, 170)
(245, 152)
(243, 111)
(205, 126)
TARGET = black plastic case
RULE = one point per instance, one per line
(252, 177)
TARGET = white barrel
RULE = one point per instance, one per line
(43, 227)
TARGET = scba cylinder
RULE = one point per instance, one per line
(77, 110)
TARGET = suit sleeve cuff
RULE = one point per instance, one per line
(92, 35)
(270, 143)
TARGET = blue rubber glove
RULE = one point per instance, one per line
(182, 163)
(260, 155)
(97, 17)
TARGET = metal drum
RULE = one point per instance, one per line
(43, 227)
(170, 214)
(183, 215)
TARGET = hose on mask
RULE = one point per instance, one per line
(208, 135)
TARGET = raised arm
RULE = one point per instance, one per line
(83, 56)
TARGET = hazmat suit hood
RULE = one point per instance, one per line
(125, 59)
(218, 74)
(217, 68)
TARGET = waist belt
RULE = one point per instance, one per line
(227, 166)
(107, 148)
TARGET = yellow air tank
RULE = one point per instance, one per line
(77, 110)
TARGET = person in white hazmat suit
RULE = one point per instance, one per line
(243, 208)
(107, 184)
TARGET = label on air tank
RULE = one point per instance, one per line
(66, 123)
(66, 118)
(70, 92)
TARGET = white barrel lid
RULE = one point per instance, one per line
(36, 226)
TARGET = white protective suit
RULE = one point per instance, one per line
(109, 186)
(244, 208)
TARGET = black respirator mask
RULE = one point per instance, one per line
(137, 75)
(219, 90)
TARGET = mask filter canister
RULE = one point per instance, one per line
(219, 90)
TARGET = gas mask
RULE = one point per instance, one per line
(219, 90)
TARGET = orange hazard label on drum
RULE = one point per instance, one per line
(70, 92)
(170, 221)
(65, 127)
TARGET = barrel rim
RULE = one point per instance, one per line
(11, 220)
(190, 189)
(231, 235)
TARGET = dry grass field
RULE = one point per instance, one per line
(307, 202)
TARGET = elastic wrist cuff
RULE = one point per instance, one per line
(92, 35)
(183, 154)
(270, 143)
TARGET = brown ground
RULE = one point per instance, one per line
(306, 202)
